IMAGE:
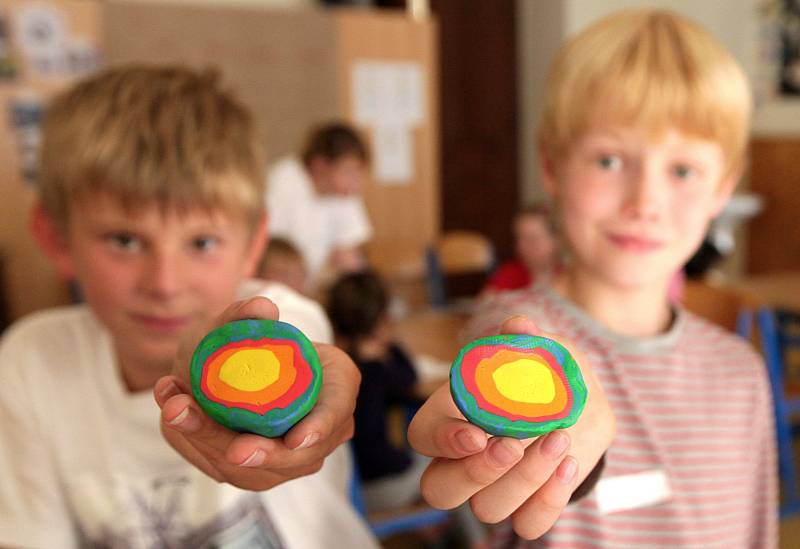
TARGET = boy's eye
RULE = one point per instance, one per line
(125, 242)
(610, 162)
(683, 171)
(205, 243)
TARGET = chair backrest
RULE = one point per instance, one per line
(779, 332)
(464, 252)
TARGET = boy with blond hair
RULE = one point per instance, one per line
(642, 142)
(151, 200)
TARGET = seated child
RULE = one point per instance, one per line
(151, 200)
(357, 306)
(643, 139)
(284, 263)
(536, 246)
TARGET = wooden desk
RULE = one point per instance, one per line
(774, 289)
(436, 334)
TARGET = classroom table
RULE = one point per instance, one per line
(781, 289)
(435, 335)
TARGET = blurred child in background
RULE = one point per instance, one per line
(282, 262)
(358, 309)
(315, 202)
(537, 252)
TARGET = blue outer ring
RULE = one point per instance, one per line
(499, 425)
(277, 421)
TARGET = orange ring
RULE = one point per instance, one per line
(484, 380)
(223, 391)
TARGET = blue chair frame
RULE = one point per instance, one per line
(386, 527)
(774, 342)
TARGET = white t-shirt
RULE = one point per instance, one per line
(317, 224)
(82, 461)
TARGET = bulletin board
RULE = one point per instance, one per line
(44, 46)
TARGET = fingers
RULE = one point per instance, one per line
(448, 483)
(337, 400)
(255, 307)
(439, 430)
(519, 325)
(503, 497)
(256, 452)
(180, 412)
(539, 513)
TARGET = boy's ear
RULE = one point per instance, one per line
(258, 241)
(52, 241)
(547, 172)
(724, 191)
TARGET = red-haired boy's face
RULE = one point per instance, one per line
(634, 209)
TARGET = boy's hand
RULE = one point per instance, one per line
(529, 480)
(251, 461)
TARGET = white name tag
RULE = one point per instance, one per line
(632, 491)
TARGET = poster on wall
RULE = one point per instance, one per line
(388, 97)
(790, 48)
(48, 47)
(8, 68)
(25, 112)
(779, 49)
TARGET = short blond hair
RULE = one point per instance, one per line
(649, 69)
(146, 135)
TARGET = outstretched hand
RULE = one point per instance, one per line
(530, 480)
(251, 461)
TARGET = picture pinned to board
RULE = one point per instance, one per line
(8, 66)
(25, 113)
(47, 46)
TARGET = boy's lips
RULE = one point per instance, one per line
(635, 243)
(164, 324)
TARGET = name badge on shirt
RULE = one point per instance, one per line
(625, 492)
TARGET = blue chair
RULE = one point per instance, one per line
(398, 521)
(779, 332)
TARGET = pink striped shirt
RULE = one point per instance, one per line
(692, 403)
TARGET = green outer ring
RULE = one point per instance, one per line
(277, 421)
(500, 426)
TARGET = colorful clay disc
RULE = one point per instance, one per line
(517, 386)
(257, 376)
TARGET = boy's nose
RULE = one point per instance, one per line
(645, 195)
(162, 276)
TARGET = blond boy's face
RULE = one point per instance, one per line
(150, 278)
(635, 209)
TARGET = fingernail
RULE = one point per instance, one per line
(180, 418)
(566, 471)
(467, 442)
(311, 439)
(502, 455)
(168, 392)
(255, 459)
(555, 444)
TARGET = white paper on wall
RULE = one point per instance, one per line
(393, 155)
(388, 97)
